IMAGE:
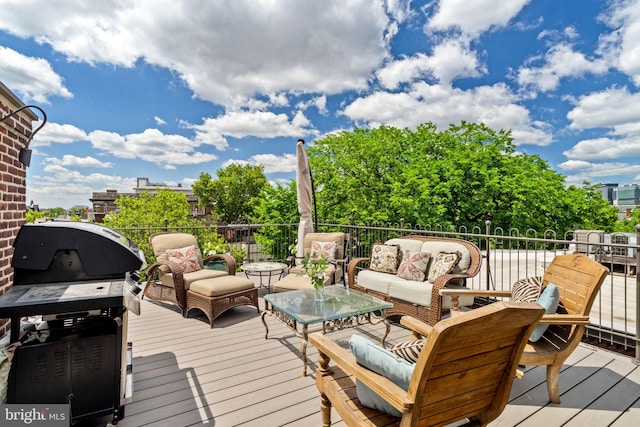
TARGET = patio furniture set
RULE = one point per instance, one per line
(458, 368)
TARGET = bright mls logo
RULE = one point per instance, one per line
(34, 415)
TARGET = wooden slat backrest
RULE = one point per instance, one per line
(468, 363)
(578, 279)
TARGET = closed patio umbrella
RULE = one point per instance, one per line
(304, 187)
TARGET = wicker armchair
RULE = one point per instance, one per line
(167, 281)
(336, 271)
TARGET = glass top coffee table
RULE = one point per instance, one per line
(341, 308)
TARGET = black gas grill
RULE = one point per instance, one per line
(80, 279)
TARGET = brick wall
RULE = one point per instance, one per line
(14, 133)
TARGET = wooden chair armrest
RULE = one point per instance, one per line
(475, 292)
(381, 385)
(564, 319)
(418, 327)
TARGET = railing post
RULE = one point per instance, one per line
(637, 359)
(488, 246)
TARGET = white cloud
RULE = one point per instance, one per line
(604, 148)
(226, 52)
(580, 171)
(561, 61)
(275, 164)
(262, 124)
(32, 78)
(57, 133)
(607, 108)
(624, 18)
(474, 17)
(84, 162)
(159, 121)
(494, 106)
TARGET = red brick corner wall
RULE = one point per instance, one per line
(14, 133)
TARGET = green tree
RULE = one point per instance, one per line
(461, 176)
(628, 225)
(137, 217)
(234, 194)
(276, 205)
(33, 215)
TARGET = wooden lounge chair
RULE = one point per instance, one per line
(578, 279)
(465, 371)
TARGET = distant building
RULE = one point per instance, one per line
(625, 197)
(104, 202)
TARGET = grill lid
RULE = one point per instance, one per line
(61, 251)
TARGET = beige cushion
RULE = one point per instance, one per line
(163, 241)
(221, 285)
(336, 237)
(189, 278)
(293, 282)
(420, 293)
(329, 272)
(375, 280)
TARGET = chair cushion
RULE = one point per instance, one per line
(162, 241)
(294, 282)
(167, 279)
(527, 290)
(337, 237)
(408, 350)
(186, 258)
(549, 299)
(414, 265)
(382, 361)
(443, 263)
(218, 286)
(384, 258)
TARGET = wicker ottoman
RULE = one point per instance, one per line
(216, 295)
(294, 282)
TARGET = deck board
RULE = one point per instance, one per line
(186, 374)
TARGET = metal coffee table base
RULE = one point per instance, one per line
(327, 326)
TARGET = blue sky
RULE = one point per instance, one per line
(167, 89)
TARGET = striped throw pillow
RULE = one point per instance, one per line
(408, 350)
(527, 290)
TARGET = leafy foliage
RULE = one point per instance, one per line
(628, 225)
(461, 176)
(234, 194)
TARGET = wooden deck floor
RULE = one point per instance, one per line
(187, 374)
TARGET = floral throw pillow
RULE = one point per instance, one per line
(384, 258)
(325, 249)
(414, 266)
(186, 258)
(443, 263)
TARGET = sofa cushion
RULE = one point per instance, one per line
(375, 280)
(384, 258)
(163, 241)
(414, 265)
(186, 258)
(167, 279)
(382, 361)
(443, 263)
(412, 245)
(420, 293)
